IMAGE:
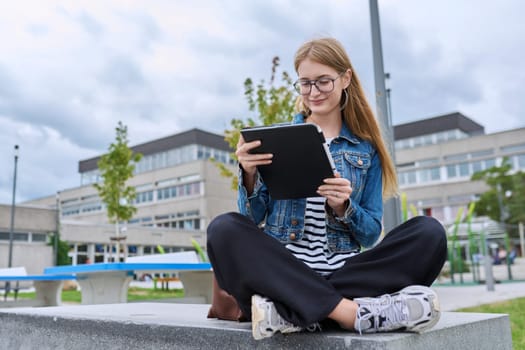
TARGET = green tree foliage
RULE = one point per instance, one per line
(506, 197)
(272, 102)
(63, 250)
(116, 167)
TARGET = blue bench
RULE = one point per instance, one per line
(106, 283)
(48, 288)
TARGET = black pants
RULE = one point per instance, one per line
(247, 261)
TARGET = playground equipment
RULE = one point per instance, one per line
(468, 251)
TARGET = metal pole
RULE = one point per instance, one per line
(392, 208)
(487, 262)
(522, 240)
(57, 232)
(12, 226)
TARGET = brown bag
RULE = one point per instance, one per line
(224, 306)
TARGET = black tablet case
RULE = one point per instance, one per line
(301, 159)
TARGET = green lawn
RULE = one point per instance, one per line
(516, 310)
(134, 293)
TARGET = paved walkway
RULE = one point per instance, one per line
(455, 296)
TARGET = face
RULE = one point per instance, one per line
(319, 102)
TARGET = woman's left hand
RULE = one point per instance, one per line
(337, 191)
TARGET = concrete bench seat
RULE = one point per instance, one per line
(185, 326)
(108, 283)
(48, 288)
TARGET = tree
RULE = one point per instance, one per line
(272, 104)
(116, 168)
(505, 200)
(63, 250)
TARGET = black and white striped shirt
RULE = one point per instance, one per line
(313, 248)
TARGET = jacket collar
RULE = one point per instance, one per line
(345, 132)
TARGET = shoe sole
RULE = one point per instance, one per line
(434, 305)
(257, 317)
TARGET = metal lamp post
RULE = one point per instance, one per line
(12, 226)
(392, 208)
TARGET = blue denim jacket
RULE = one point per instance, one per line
(360, 226)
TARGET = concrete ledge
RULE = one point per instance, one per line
(184, 326)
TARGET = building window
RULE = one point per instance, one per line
(483, 153)
(451, 171)
(513, 148)
(477, 166)
(456, 157)
(407, 178)
(38, 237)
(190, 189)
(464, 169)
(489, 163)
(521, 161)
(143, 197)
(72, 210)
(462, 198)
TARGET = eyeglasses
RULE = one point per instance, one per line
(324, 84)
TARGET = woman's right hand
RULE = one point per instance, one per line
(249, 161)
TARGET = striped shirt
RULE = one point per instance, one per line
(313, 248)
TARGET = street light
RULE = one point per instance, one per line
(11, 229)
(392, 207)
(12, 226)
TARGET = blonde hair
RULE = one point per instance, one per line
(357, 113)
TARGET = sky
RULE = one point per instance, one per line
(71, 70)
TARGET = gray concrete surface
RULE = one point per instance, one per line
(457, 295)
(179, 326)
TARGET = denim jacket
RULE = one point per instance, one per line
(360, 226)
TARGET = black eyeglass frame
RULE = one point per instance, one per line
(297, 84)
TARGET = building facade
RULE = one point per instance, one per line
(179, 190)
(436, 157)
(30, 246)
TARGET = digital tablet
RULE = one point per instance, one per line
(301, 159)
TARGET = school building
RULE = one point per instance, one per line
(179, 188)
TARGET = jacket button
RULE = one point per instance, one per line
(294, 222)
(360, 162)
(292, 236)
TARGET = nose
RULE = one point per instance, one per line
(314, 90)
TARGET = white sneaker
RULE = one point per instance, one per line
(266, 321)
(414, 308)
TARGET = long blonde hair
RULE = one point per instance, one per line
(357, 113)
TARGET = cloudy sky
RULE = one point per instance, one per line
(70, 70)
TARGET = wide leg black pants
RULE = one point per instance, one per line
(247, 261)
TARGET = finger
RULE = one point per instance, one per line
(251, 145)
(254, 157)
(241, 141)
(254, 162)
(337, 181)
(339, 188)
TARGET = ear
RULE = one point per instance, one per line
(347, 77)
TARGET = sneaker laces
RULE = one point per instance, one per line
(385, 312)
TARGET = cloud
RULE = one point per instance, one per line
(69, 71)
(44, 157)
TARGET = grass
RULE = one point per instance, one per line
(515, 309)
(134, 293)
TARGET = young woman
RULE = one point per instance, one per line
(291, 264)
